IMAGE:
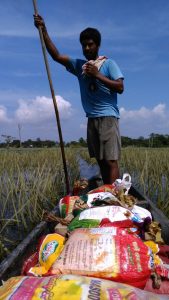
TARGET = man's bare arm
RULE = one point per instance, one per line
(51, 48)
(113, 85)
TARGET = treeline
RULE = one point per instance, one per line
(153, 141)
(38, 143)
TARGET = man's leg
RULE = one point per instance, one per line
(104, 144)
(109, 170)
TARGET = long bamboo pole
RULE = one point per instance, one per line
(54, 102)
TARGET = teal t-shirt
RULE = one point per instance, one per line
(97, 99)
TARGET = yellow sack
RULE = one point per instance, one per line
(71, 287)
(50, 249)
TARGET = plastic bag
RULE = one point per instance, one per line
(49, 251)
(124, 183)
(108, 253)
(71, 287)
(164, 287)
(94, 216)
(75, 204)
(66, 205)
(111, 188)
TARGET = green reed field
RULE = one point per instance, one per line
(32, 180)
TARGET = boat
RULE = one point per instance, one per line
(12, 264)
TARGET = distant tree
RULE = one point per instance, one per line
(38, 143)
(162, 140)
(158, 140)
(28, 143)
(73, 143)
(48, 143)
(16, 143)
(154, 140)
(8, 139)
(126, 141)
(82, 142)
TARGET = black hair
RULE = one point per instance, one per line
(91, 33)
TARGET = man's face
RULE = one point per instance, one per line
(90, 49)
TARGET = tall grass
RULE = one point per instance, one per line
(149, 169)
(30, 181)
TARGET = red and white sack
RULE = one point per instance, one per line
(108, 253)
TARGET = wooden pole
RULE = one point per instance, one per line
(54, 102)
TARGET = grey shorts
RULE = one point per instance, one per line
(103, 138)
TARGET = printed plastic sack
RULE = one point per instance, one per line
(162, 290)
(155, 249)
(30, 262)
(108, 253)
(49, 251)
(141, 213)
(164, 253)
(163, 271)
(76, 204)
(125, 224)
(92, 217)
(111, 188)
(66, 205)
(71, 287)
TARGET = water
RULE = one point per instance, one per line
(88, 171)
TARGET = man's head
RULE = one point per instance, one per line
(90, 39)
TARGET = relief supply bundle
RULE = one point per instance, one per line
(93, 217)
(71, 287)
(49, 250)
(109, 253)
(75, 204)
(119, 185)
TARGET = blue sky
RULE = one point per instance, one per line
(134, 33)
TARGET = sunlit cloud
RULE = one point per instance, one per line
(3, 115)
(41, 109)
(144, 121)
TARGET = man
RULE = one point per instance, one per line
(100, 80)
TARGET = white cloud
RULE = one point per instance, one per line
(41, 109)
(144, 121)
(160, 110)
(3, 115)
(38, 119)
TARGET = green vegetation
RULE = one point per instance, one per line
(153, 141)
(30, 181)
(149, 169)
